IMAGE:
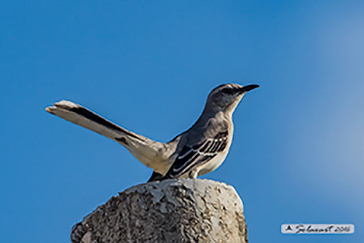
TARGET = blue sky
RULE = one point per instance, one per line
(297, 154)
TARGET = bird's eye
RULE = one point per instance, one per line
(227, 91)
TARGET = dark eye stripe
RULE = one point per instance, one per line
(228, 91)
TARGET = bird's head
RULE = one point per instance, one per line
(226, 97)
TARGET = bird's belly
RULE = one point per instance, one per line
(213, 164)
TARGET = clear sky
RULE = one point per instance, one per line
(297, 154)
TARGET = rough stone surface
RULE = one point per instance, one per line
(185, 210)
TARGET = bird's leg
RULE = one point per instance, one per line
(193, 174)
(155, 177)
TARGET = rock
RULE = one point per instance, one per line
(184, 210)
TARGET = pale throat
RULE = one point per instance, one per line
(230, 110)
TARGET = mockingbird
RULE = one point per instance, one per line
(197, 151)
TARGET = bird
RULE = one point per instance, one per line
(197, 151)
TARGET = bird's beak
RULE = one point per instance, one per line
(248, 88)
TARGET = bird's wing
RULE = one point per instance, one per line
(192, 156)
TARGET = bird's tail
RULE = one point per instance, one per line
(151, 153)
(83, 117)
